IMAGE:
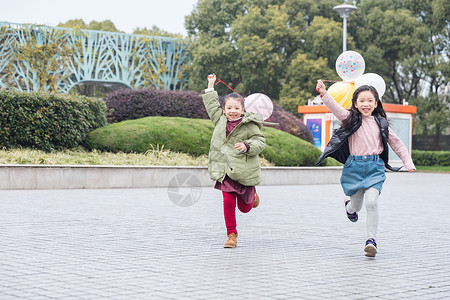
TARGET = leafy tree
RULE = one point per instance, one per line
(106, 25)
(211, 44)
(403, 41)
(304, 11)
(250, 43)
(407, 42)
(214, 17)
(323, 36)
(156, 31)
(300, 80)
(279, 47)
(74, 24)
(246, 42)
(433, 116)
(265, 43)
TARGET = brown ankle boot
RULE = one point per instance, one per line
(232, 241)
(256, 201)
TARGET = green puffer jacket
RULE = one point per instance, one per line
(224, 159)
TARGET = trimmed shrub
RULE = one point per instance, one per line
(431, 158)
(129, 104)
(176, 134)
(46, 121)
(193, 136)
(290, 123)
(284, 149)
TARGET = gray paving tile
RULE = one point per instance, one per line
(136, 244)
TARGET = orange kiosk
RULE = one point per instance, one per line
(321, 122)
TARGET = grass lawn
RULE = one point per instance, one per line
(153, 157)
(444, 169)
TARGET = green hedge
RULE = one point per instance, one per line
(193, 136)
(431, 158)
(46, 121)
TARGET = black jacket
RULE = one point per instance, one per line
(338, 147)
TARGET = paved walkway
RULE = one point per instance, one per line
(137, 244)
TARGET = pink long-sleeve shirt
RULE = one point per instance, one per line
(367, 139)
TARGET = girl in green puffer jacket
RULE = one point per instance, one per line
(233, 156)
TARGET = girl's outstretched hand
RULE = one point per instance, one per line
(412, 170)
(321, 88)
(211, 80)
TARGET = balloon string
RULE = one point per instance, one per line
(337, 81)
(228, 87)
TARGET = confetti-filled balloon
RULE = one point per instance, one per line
(374, 80)
(342, 93)
(350, 65)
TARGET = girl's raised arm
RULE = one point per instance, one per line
(211, 80)
(211, 100)
(337, 110)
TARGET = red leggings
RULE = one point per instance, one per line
(229, 209)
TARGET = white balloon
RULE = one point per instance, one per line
(374, 80)
(260, 104)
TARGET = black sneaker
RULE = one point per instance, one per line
(371, 248)
(352, 217)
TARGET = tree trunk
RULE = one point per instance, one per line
(437, 135)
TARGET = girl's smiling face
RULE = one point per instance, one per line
(233, 109)
(366, 103)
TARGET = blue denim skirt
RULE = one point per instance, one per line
(362, 172)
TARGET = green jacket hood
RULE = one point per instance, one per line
(256, 118)
(253, 117)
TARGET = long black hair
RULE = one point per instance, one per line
(378, 111)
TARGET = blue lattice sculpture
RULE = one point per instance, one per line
(56, 59)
